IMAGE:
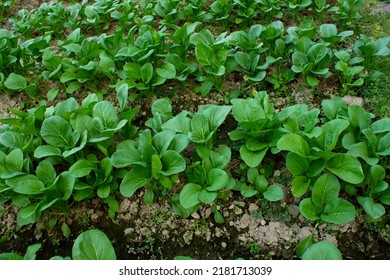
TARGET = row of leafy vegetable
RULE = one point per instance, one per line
(51, 156)
(100, 15)
(146, 57)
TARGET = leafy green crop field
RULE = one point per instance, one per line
(194, 107)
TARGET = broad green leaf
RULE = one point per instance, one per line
(375, 210)
(10, 256)
(300, 185)
(122, 94)
(46, 172)
(309, 210)
(146, 72)
(383, 148)
(338, 211)
(46, 151)
(31, 252)
(330, 134)
(172, 163)
(14, 161)
(65, 184)
(189, 195)
(136, 178)
(200, 129)
(332, 107)
(166, 71)
(215, 115)
(15, 82)
(294, 143)
(104, 191)
(346, 167)
(205, 54)
(67, 106)
(273, 193)
(28, 215)
(206, 196)
(81, 168)
(303, 245)
(296, 164)
(126, 154)
(57, 132)
(252, 159)
(247, 110)
(217, 179)
(93, 245)
(13, 139)
(385, 197)
(358, 116)
(323, 250)
(247, 191)
(380, 126)
(29, 186)
(325, 190)
(162, 140)
(361, 150)
(106, 112)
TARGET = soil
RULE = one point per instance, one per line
(253, 228)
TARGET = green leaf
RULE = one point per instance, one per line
(10, 256)
(46, 151)
(13, 139)
(252, 159)
(172, 163)
(146, 72)
(15, 82)
(375, 210)
(52, 93)
(29, 186)
(65, 184)
(294, 143)
(136, 178)
(358, 116)
(247, 110)
(330, 134)
(81, 168)
(215, 115)
(28, 215)
(46, 172)
(332, 107)
(104, 191)
(205, 54)
(383, 148)
(65, 230)
(325, 190)
(31, 252)
(380, 126)
(309, 210)
(217, 179)
(346, 167)
(156, 166)
(300, 185)
(273, 193)
(14, 161)
(206, 196)
(303, 245)
(323, 250)
(126, 154)
(57, 132)
(162, 140)
(106, 112)
(93, 245)
(296, 164)
(247, 191)
(218, 218)
(338, 211)
(122, 94)
(189, 195)
(200, 130)
(166, 71)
